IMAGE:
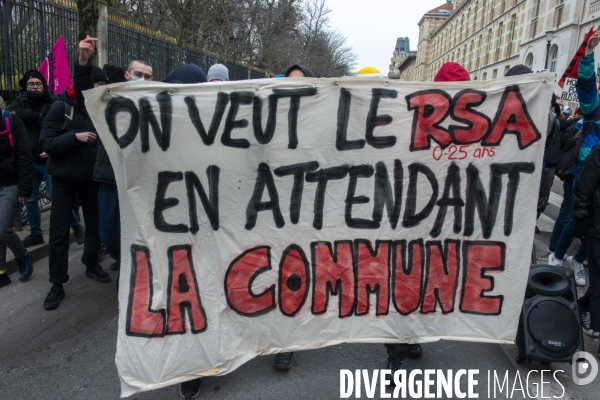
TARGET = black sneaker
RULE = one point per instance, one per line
(25, 267)
(190, 389)
(415, 352)
(96, 272)
(283, 361)
(56, 294)
(586, 325)
(114, 266)
(79, 232)
(33, 240)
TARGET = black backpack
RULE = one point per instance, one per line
(568, 160)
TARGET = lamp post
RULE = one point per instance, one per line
(235, 28)
(549, 36)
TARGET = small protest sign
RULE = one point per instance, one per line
(569, 92)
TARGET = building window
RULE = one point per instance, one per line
(506, 68)
(533, 28)
(494, 74)
(553, 58)
(537, 8)
(484, 76)
(489, 41)
(558, 13)
(513, 27)
(475, 16)
(529, 60)
(500, 33)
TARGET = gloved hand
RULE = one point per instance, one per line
(580, 228)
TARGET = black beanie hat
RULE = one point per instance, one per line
(518, 69)
(307, 72)
(186, 73)
(98, 74)
(32, 73)
(115, 74)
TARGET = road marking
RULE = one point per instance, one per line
(555, 199)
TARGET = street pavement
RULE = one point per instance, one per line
(68, 353)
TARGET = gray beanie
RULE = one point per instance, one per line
(218, 71)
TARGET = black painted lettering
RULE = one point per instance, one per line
(161, 203)
(298, 170)
(263, 179)
(374, 120)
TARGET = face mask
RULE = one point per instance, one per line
(135, 78)
(36, 95)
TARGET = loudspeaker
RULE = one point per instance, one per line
(549, 327)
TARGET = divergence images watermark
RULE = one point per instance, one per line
(463, 383)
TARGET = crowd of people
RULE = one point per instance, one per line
(49, 137)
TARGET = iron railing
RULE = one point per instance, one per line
(29, 29)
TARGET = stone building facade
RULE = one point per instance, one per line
(488, 37)
(401, 52)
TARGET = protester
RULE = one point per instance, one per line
(32, 106)
(586, 209)
(587, 224)
(397, 352)
(72, 146)
(138, 70)
(186, 73)
(15, 187)
(552, 148)
(589, 101)
(452, 72)
(218, 73)
(109, 221)
(299, 71)
(116, 74)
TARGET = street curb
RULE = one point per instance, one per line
(37, 253)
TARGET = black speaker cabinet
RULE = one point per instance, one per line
(549, 327)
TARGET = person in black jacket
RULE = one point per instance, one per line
(15, 188)
(109, 225)
(72, 147)
(31, 106)
(586, 211)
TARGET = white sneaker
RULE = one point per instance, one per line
(552, 260)
(577, 267)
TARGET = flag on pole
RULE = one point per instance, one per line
(55, 67)
(573, 67)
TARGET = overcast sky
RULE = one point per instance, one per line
(372, 26)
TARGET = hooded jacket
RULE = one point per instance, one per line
(68, 158)
(452, 72)
(33, 112)
(307, 72)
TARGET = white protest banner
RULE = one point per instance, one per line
(569, 92)
(288, 214)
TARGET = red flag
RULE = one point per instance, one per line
(573, 68)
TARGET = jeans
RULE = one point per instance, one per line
(109, 224)
(9, 208)
(566, 237)
(566, 211)
(32, 206)
(591, 300)
(62, 207)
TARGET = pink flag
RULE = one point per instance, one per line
(55, 67)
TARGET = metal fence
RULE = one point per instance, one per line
(30, 28)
